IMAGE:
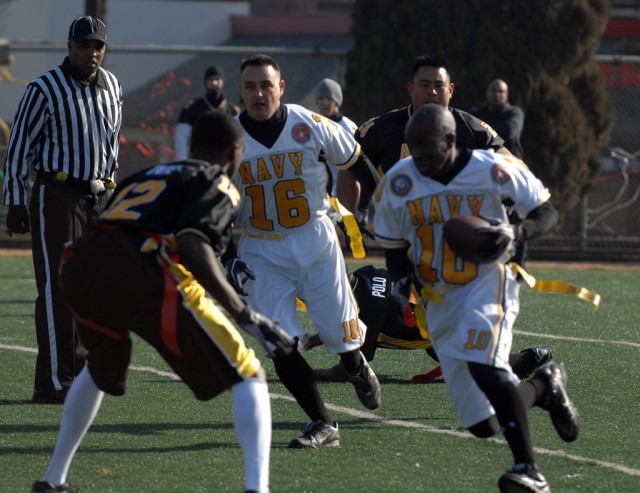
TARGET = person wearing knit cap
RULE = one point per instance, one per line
(328, 88)
(328, 95)
(212, 100)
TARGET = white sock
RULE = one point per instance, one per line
(80, 408)
(252, 420)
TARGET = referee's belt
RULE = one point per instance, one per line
(89, 186)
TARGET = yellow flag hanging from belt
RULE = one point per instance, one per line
(556, 286)
(353, 230)
(546, 285)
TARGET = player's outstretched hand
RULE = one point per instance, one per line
(274, 340)
(500, 237)
(238, 273)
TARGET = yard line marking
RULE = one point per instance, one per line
(398, 422)
(155, 371)
(522, 332)
(579, 339)
(20, 348)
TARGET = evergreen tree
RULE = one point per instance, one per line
(543, 49)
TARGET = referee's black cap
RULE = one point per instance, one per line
(86, 28)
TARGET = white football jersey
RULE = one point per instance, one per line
(283, 188)
(411, 209)
(348, 125)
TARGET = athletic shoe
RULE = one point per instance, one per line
(564, 415)
(49, 396)
(47, 487)
(523, 478)
(542, 354)
(333, 374)
(529, 359)
(317, 434)
(366, 385)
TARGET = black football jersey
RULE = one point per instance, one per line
(170, 198)
(382, 138)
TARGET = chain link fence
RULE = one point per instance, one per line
(606, 223)
(604, 226)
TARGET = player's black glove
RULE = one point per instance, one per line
(274, 340)
(238, 273)
(398, 301)
(501, 237)
(18, 220)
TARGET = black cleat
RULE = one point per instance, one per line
(317, 434)
(47, 487)
(366, 385)
(523, 478)
(564, 415)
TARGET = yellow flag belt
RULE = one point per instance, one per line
(353, 230)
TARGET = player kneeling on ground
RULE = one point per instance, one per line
(147, 267)
(472, 303)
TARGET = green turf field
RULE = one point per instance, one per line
(158, 438)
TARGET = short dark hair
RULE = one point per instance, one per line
(258, 61)
(435, 61)
(215, 131)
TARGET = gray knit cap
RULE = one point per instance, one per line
(329, 88)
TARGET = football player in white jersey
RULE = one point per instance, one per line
(471, 306)
(289, 242)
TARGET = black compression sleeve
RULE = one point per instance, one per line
(538, 221)
(398, 263)
(230, 253)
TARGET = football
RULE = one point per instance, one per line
(462, 236)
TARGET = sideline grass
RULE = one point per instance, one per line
(158, 438)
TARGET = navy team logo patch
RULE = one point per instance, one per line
(300, 132)
(401, 185)
(499, 173)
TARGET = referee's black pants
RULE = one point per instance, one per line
(59, 213)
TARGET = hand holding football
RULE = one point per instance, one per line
(475, 239)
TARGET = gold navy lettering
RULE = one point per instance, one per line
(438, 204)
(274, 166)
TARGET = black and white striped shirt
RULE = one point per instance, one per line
(64, 124)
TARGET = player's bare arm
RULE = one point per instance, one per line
(360, 177)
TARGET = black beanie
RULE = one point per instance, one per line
(214, 71)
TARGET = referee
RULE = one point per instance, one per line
(66, 129)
